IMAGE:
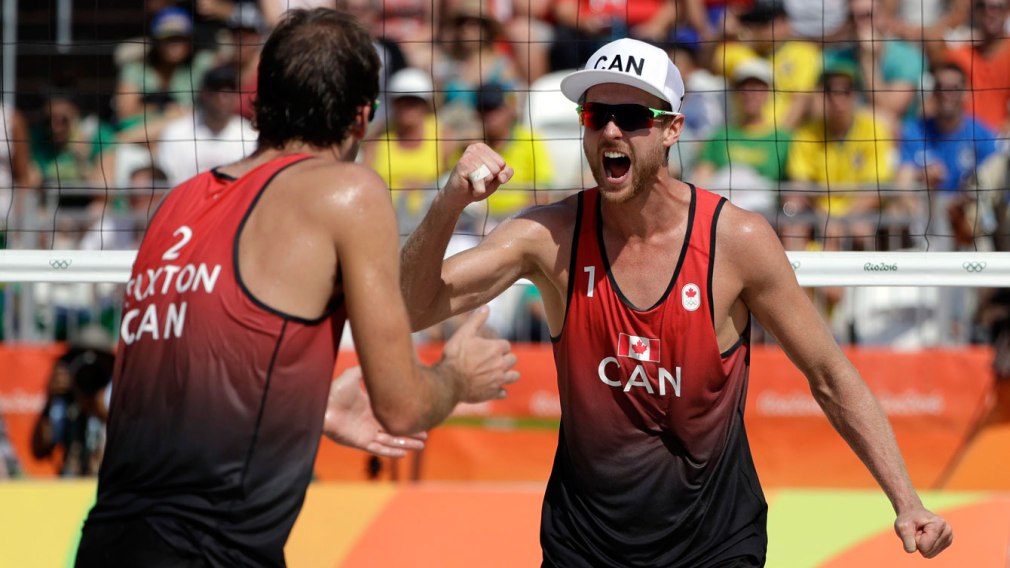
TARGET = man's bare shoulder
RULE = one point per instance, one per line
(328, 193)
(748, 243)
(741, 230)
(343, 182)
(557, 217)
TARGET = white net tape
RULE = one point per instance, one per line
(813, 269)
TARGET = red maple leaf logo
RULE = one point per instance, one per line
(640, 347)
(690, 292)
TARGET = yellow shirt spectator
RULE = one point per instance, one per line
(863, 156)
(796, 68)
(411, 171)
(531, 160)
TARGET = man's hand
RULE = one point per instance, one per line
(349, 420)
(923, 531)
(481, 365)
(465, 185)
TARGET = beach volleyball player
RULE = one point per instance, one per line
(232, 318)
(649, 284)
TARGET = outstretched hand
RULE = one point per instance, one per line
(466, 183)
(349, 420)
(924, 531)
(482, 365)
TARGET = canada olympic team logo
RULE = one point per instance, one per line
(690, 296)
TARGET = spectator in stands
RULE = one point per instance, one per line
(121, 227)
(765, 31)
(469, 56)
(747, 159)
(72, 422)
(985, 61)
(912, 20)
(942, 154)
(163, 85)
(412, 153)
(369, 14)
(821, 21)
(890, 69)
(67, 149)
(530, 32)
(522, 148)
(17, 169)
(582, 26)
(9, 466)
(412, 25)
(846, 154)
(245, 29)
(993, 319)
(704, 105)
(211, 135)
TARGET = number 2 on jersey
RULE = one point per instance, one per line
(185, 234)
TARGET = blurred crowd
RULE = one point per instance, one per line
(849, 124)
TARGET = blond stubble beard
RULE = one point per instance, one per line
(642, 173)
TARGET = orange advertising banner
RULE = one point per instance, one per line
(933, 398)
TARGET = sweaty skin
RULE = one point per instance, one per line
(644, 215)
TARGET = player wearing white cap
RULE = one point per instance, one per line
(649, 285)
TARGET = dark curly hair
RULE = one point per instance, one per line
(316, 69)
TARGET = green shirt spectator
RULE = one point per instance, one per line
(764, 149)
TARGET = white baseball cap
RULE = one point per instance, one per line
(410, 82)
(754, 68)
(629, 62)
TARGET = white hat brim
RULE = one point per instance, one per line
(576, 84)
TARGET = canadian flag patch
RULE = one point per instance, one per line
(690, 296)
(641, 348)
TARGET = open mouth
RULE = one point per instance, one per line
(616, 165)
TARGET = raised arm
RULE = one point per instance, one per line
(433, 292)
(406, 397)
(770, 291)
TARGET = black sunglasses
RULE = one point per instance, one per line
(627, 117)
(374, 110)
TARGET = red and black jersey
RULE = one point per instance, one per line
(217, 399)
(653, 466)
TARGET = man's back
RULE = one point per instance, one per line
(218, 398)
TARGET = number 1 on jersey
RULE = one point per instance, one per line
(592, 279)
(185, 234)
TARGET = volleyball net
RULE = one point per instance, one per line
(869, 134)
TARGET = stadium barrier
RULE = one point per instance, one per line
(934, 398)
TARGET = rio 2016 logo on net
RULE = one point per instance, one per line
(880, 267)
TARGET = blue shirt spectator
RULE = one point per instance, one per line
(958, 151)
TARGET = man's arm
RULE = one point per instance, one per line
(406, 397)
(750, 248)
(434, 292)
(350, 421)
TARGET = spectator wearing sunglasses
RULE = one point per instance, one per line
(648, 285)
